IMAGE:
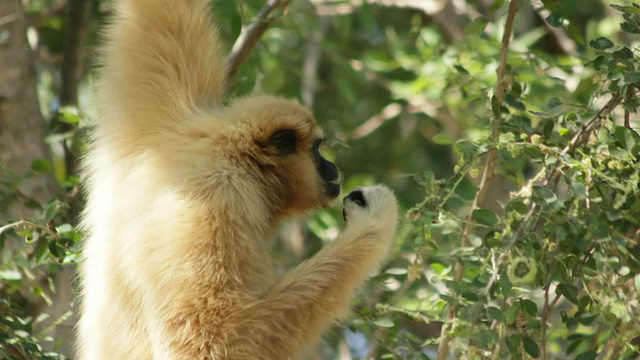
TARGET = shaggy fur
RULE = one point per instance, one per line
(183, 196)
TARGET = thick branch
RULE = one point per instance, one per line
(250, 36)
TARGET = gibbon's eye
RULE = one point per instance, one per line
(284, 141)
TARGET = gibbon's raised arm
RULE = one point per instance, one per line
(162, 60)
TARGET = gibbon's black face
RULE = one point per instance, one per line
(286, 143)
(328, 171)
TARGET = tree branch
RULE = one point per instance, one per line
(489, 168)
(250, 36)
(312, 61)
(27, 223)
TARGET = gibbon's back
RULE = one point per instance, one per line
(184, 194)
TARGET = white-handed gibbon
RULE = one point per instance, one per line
(184, 193)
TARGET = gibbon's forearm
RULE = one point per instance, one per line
(161, 62)
(317, 293)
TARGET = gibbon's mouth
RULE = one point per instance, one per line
(332, 189)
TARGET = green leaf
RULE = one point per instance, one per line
(530, 346)
(68, 115)
(51, 210)
(548, 128)
(626, 9)
(512, 313)
(471, 296)
(485, 217)
(630, 77)
(570, 117)
(396, 271)
(41, 252)
(544, 195)
(627, 137)
(553, 103)
(587, 319)
(518, 205)
(493, 313)
(601, 43)
(623, 54)
(599, 63)
(529, 307)
(53, 249)
(437, 268)
(10, 275)
(541, 114)
(569, 291)
(461, 69)
(443, 139)
(579, 190)
(513, 343)
(514, 102)
(384, 323)
(583, 302)
(64, 228)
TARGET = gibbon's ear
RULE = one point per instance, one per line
(284, 141)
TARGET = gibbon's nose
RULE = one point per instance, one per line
(329, 171)
(331, 177)
(332, 189)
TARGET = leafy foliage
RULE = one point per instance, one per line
(33, 251)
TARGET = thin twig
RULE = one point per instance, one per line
(489, 168)
(629, 95)
(250, 36)
(27, 223)
(388, 112)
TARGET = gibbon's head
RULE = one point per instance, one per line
(277, 142)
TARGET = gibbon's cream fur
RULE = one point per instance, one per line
(184, 194)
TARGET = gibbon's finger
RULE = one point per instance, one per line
(356, 196)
